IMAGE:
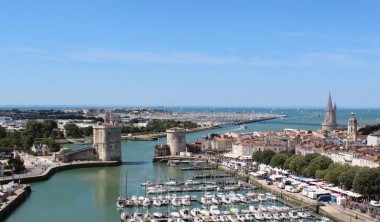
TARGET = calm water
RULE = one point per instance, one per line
(90, 194)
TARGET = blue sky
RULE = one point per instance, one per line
(206, 53)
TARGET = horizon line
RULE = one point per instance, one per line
(180, 106)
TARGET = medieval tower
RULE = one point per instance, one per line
(176, 139)
(329, 124)
(107, 139)
(352, 129)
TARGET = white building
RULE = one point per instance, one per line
(373, 139)
(350, 159)
(221, 144)
(41, 149)
(240, 150)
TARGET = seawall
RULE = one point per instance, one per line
(14, 201)
(52, 170)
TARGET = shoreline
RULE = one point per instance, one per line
(50, 171)
(15, 201)
(156, 136)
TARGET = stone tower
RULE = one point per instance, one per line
(107, 139)
(176, 140)
(329, 124)
(352, 129)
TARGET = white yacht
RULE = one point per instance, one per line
(271, 196)
(259, 216)
(262, 197)
(214, 210)
(293, 214)
(157, 202)
(240, 217)
(268, 216)
(192, 182)
(216, 200)
(157, 215)
(186, 201)
(146, 202)
(285, 216)
(125, 216)
(176, 202)
(195, 212)
(226, 199)
(185, 213)
(120, 203)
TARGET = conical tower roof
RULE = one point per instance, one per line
(329, 106)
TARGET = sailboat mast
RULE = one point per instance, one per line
(126, 184)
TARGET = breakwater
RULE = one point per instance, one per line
(12, 202)
(52, 170)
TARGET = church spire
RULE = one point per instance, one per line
(329, 103)
(329, 123)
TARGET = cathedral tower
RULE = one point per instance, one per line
(329, 124)
(352, 129)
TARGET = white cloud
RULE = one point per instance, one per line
(310, 59)
(332, 59)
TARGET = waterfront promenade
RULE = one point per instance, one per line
(337, 213)
(41, 168)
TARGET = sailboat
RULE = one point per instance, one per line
(123, 199)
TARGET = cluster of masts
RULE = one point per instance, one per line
(262, 210)
(211, 117)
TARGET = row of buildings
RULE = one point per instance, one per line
(342, 146)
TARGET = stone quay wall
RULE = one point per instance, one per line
(52, 170)
(8, 207)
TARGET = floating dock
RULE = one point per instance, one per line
(209, 175)
(208, 167)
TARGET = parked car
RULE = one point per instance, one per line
(324, 198)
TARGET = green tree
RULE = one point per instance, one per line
(346, 178)
(297, 164)
(278, 160)
(3, 132)
(15, 138)
(49, 125)
(320, 174)
(257, 156)
(72, 130)
(54, 134)
(267, 156)
(311, 156)
(333, 172)
(366, 181)
(17, 164)
(53, 145)
(26, 141)
(87, 131)
(35, 129)
(287, 162)
(6, 144)
(318, 162)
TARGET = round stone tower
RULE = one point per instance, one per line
(176, 140)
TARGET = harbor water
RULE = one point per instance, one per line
(90, 194)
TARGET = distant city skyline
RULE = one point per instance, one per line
(197, 53)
